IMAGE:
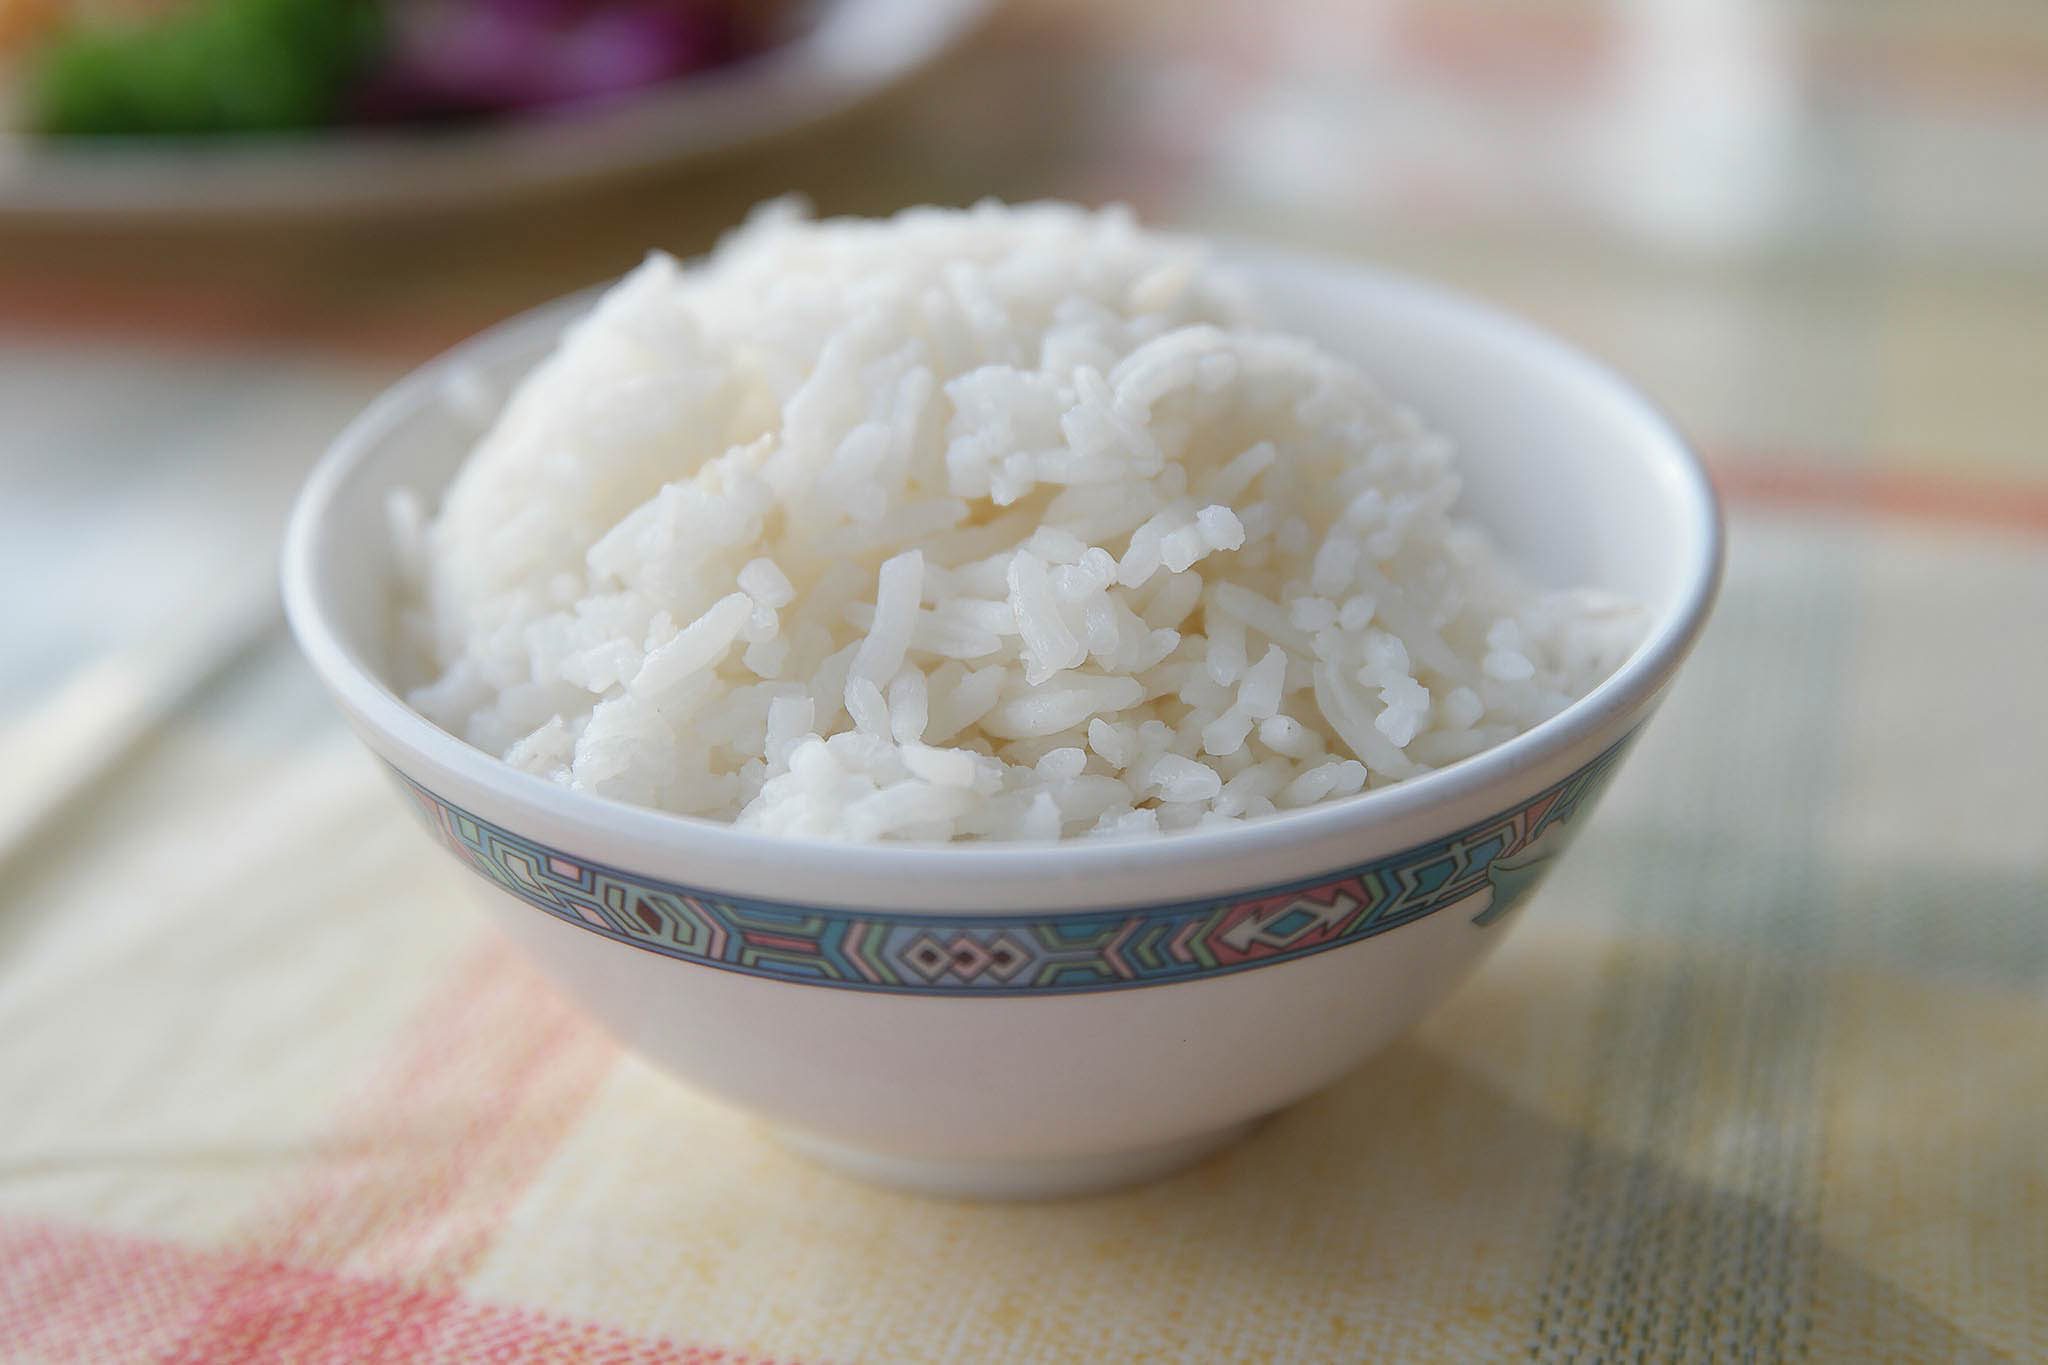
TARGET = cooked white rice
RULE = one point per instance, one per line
(994, 524)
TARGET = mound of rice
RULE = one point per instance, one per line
(986, 524)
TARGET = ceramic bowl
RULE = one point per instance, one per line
(1006, 1021)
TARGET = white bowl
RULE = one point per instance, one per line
(994, 1020)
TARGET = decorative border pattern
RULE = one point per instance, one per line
(1491, 865)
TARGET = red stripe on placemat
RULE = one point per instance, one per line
(449, 1135)
(71, 1295)
(1753, 481)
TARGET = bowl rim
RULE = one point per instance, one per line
(1611, 704)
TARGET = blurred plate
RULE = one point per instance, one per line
(852, 50)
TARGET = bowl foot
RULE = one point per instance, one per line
(1026, 1178)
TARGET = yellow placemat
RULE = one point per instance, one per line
(1760, 1074)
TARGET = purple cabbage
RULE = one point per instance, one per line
(463, 57)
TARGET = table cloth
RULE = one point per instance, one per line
(1761, 1074)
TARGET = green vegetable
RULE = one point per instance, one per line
(222, 66)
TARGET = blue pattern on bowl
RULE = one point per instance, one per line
(1487, 867)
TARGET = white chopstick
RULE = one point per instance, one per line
(70, 744)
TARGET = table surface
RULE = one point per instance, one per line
(1762, 1074)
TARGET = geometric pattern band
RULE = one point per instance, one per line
(1484, 870)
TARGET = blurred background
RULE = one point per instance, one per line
(1816, 230)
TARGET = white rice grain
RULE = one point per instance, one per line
(989, 524)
